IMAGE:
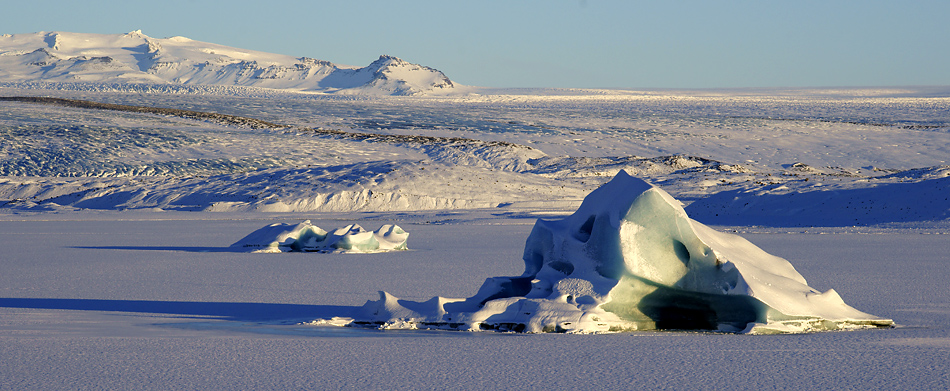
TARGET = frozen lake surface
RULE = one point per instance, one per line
(126, 302)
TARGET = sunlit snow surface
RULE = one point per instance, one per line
(113, 278)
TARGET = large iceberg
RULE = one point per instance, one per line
(306, 237)
(631, 259)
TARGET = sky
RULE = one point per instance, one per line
(558, 43)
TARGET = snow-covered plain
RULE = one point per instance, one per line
(116, 230)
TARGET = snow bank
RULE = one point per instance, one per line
(631, 259)
(306, 237)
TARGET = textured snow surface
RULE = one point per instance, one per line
(631, 259)
(792, 158)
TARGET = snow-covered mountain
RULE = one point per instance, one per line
(137, 58)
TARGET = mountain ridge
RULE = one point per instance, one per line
(137, 58)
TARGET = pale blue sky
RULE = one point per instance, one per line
(558, 43)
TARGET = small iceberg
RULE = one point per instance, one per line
(631, 259)
(306, 237)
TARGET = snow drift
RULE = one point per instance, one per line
(306, 237)
(631, 259)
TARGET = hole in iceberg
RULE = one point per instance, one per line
(583, 233)
(562, 267)
(677, 309)
(681, 251)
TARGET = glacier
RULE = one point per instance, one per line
(628, 259)
(306, 237)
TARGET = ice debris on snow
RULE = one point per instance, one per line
(631, 259)
(306, 237)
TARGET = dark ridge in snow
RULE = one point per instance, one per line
(501, 155)
(224, 119)
(254, 123)
(411, 139)
(799, 168)
(86, 164)
(78, 161)
(920, 173)
(159, 88)
(560, 167)
(906, 124)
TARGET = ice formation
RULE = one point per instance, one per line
(631, 259)
(306, 237)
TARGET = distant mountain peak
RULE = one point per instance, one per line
(387, 59)
(136, 57)
(135, 34)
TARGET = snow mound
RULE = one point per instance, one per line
(631, 259)
(306, 237)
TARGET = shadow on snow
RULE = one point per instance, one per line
(220, 310)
